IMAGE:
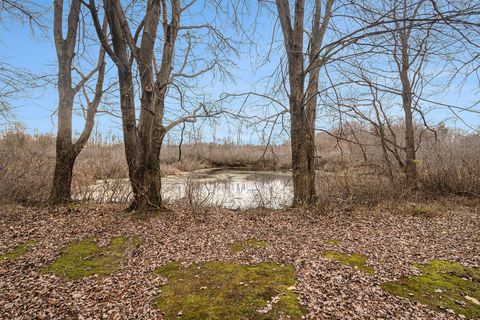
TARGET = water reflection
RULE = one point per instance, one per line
(228, 188)
(234, 189)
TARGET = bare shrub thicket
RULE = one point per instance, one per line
(26, 167)
(27, 163)
(451, 164)
(351, 167)
(448, 163)
(229, 155)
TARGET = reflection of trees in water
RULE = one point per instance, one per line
(220, 188)
(234, 189)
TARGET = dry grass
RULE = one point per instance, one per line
(452, 165)
(349, 188)
(228, 155)
(348, 175)
(448, 164)
(26, 168)
(27, 163)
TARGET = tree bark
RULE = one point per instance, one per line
(65, 157)
(303, 155)
(143, 142)
(148, 177)
(66, 150)
(410, 151)
(62, 178)
(303, 103)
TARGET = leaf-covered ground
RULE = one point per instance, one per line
(391, 240)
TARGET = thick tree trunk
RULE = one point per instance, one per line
(302, 137)
(142, 142)
(303, 155)
(147, 177)
(130, 137)
(65, 157)
(62, 177)
(66, 150)
(149, 184)
(303, 104)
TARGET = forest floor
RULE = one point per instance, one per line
(391, 238)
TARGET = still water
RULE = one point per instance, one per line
(228, 188)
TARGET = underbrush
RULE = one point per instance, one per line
(25, 174)
(349, 188)
(345, 177)
(27, 163)
(452, 167)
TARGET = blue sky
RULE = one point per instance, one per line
(35, 52)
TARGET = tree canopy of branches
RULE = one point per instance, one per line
(15, 81)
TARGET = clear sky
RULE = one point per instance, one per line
(35, 51)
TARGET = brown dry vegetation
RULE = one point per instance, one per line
(351, 169)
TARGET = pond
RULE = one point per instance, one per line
(228, 188)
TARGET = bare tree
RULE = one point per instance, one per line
(143, 142)
(404, 58)
(410, 55)
(340, 32)
(25, 11)
(67, 150)
(303, 101)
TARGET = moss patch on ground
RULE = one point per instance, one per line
(355, 260)
(334, 242)
(18, 251)
(84, 258)
(442, 285)
(225, 290)
(251, 244)
(422, 211)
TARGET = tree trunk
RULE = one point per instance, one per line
(410, 153)
(303, 104)
(66, 150)
(303, 156)
(142, 142)
(65, 157)
(130, 137)
(147, 177)
(302, 140)
(62, 177)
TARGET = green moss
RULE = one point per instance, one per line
(420, 210)
(334, 242)
(251, 244)
(84, 258)
(355, 260)
(224, 290)
(18, 251)
(442, 285)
